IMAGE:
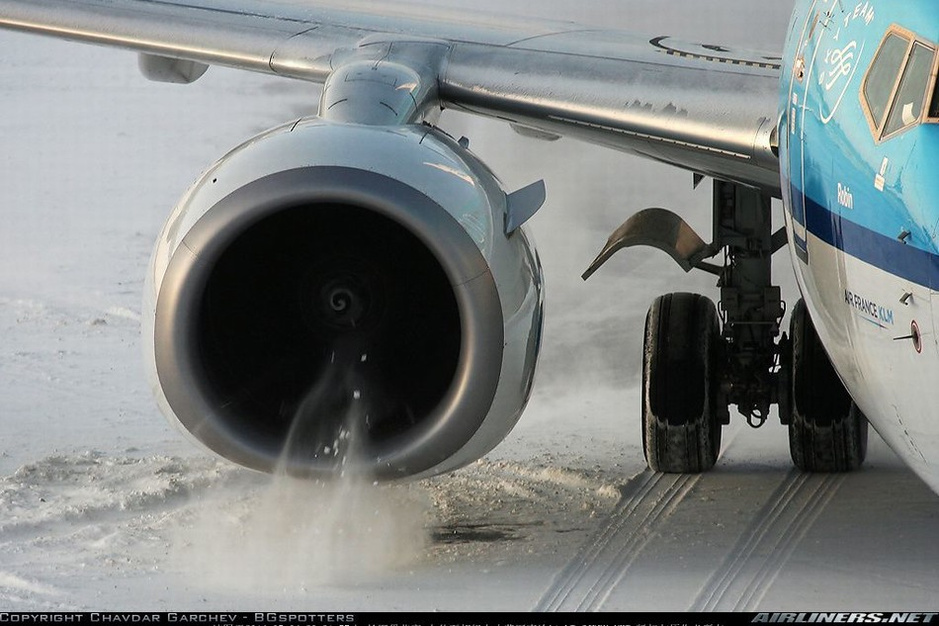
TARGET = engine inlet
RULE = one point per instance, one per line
(323, 307)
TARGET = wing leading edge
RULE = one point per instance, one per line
(703, 108)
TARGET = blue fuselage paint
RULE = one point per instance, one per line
(863, 218)
(828, 155)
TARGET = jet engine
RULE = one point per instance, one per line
(331, 295)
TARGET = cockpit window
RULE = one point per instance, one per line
(911, 92)
(894, 90)
(882, 76)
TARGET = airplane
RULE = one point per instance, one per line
(357, 284)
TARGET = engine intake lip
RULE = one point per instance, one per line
(448, 427)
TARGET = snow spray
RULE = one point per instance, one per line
(298, 532)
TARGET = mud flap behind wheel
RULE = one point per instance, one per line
(662, 229)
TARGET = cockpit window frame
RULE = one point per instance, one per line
(877, 127)
(931, 93)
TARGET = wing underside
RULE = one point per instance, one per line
(707, 109)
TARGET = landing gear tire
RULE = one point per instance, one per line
(681, 430)
(827, 431)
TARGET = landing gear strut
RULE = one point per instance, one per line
(697, 362)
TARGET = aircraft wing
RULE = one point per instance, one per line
(705, 108)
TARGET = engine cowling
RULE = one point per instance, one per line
(333, 292)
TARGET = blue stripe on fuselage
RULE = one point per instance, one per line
(882, 251)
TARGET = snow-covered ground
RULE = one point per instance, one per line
(104, 506)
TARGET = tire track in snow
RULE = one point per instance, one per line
(762, 551)
(592, 575)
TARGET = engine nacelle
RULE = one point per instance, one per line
(327, 288)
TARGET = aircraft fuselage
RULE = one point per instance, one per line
(856, 148)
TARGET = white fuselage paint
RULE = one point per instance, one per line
(866, 328)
